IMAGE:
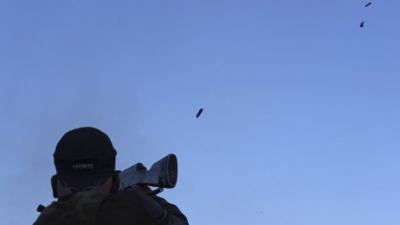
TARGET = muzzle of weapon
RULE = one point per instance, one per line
(162, 174)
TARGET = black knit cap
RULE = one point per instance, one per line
(84, 158)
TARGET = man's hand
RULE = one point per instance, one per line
(144, 189)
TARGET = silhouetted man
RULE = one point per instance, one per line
(86, 188)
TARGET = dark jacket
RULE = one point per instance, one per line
(119, 208)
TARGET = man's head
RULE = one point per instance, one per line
(84, 158)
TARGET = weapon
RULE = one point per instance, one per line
(162, 174)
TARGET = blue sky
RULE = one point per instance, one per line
(300, 126)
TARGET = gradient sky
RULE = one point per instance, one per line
(301, 122)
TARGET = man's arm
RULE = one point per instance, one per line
(173, 215)
(163, 212)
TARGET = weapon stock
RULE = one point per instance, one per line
(162, 174)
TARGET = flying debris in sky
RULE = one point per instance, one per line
(199, 112)
(363, 22)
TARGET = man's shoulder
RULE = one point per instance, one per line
(78, 209)
(122, 207)
(122, 201)
(121, 197)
